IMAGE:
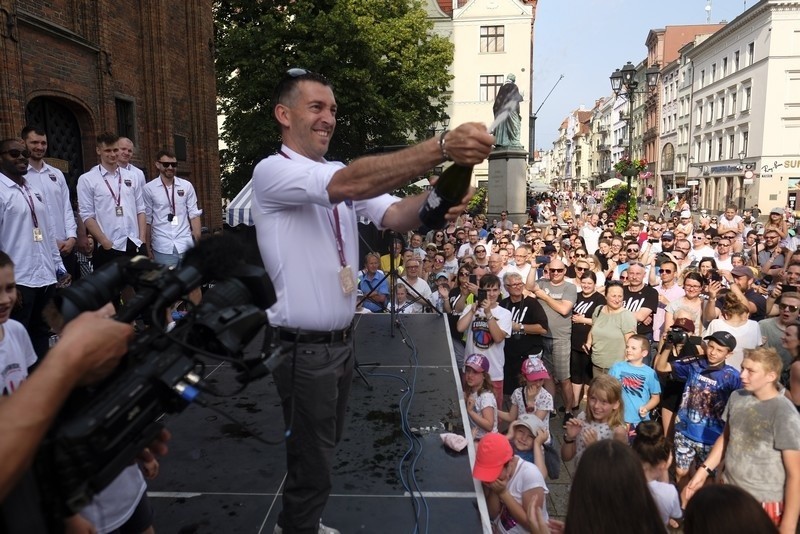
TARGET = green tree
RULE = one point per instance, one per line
(388, 71)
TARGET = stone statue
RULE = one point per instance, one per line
(508, 132)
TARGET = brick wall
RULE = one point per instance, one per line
(85, 53)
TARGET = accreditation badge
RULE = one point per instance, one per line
(347, 279)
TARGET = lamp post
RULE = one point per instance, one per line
(623, 81)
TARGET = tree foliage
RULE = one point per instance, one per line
(388, 71)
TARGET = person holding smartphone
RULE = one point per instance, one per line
(487, 325)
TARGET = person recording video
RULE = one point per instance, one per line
(89, 348)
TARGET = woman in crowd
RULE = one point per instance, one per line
(594, 267)
(438, 239)
(735, 320)
(691, 302)
(790, 378)
(705, 266)
(580, 361)
(612, 325)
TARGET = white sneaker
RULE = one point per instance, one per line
(322, 529)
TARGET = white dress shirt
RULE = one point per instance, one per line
(137, 173)
(166, 235)
(35, 262)
(98, 191)
(52, 184)
(295, 228)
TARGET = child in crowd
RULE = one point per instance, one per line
(527, 436)
(641, 390)
(724, 509)
(602, 419)
(709, 383)
(479, 396)
(401, 303)
(656, 455)
(510, 484)
(760, 443)
(123, 503)
(531, 398)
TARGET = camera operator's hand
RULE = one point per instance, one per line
(776, 292)
(93, 344)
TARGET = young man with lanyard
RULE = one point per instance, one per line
(26, 235)
(111, 206)
(299, 195)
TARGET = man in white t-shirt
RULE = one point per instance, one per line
(591, 233)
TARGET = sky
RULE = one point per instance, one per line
(581, 39)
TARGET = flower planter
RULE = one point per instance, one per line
(629, 172)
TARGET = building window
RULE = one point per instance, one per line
(721, 108)
(709, 151)
(126, 123)
(724, 66)
(736, 61)
(719, 148)
(733, 104)
(702, 79)
(699, 115)
(745, 139)
(731, 144)
(750, 53)
(490, 84)
(710, 116)
(492, 39)
(713, 73)
(747, 94)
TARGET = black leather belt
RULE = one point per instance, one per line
(293, 335)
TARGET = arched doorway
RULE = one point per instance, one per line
(63, 134)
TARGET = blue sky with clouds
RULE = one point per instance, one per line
(585, 40)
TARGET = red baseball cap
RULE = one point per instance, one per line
(494, 452)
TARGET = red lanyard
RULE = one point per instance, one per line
(166, 192)
(337, 231)
(117, 198)
(29, 202)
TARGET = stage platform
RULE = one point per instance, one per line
(219, 478)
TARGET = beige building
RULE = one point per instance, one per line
(492, 39)
(745, 114)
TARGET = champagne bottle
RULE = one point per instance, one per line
(448, 192)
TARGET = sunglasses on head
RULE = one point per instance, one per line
(15, 153)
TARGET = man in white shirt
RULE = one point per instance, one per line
(700, 246)
(124, 156)
(52, 184)
(111, 206)
(421, 290)
(173, 219)
(468, 248)
(591, 233)
(26, 236)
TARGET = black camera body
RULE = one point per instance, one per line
(102, 428)
(677, 336)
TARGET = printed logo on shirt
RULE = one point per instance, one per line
(180, 192)
(39, 196)
(128, 183)
(633, 384)
(582, 308)
(52, 177)
(480, 333)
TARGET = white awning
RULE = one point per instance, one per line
(238, 211)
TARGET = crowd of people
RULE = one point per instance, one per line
(687, 324)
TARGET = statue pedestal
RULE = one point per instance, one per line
(508, 172)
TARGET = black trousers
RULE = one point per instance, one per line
(322, 379)
(29, 313)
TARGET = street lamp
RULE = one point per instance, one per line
(623, 81)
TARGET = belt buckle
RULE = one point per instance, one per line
(345, 334)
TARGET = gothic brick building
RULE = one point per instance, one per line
(143, 69)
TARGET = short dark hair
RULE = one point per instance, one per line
(165, 152)
(5, 142)
(29, 128)
(5, 260)
(489, 280)
(107, 138)
(287, 85)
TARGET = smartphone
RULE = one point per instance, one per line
(473, 279)
(714, 276)
(540, 260)
(786, 288)
(481, 295)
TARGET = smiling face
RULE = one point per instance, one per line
(522, 439)
(14, 159)
(8, 292)
(716, 353)
(308, 119)
(791, 338)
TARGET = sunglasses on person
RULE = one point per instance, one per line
(578, 255)
(169, 163)
(556, 270)
(667, 271)
(791, 307)
(633, 250)
(15, 153)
